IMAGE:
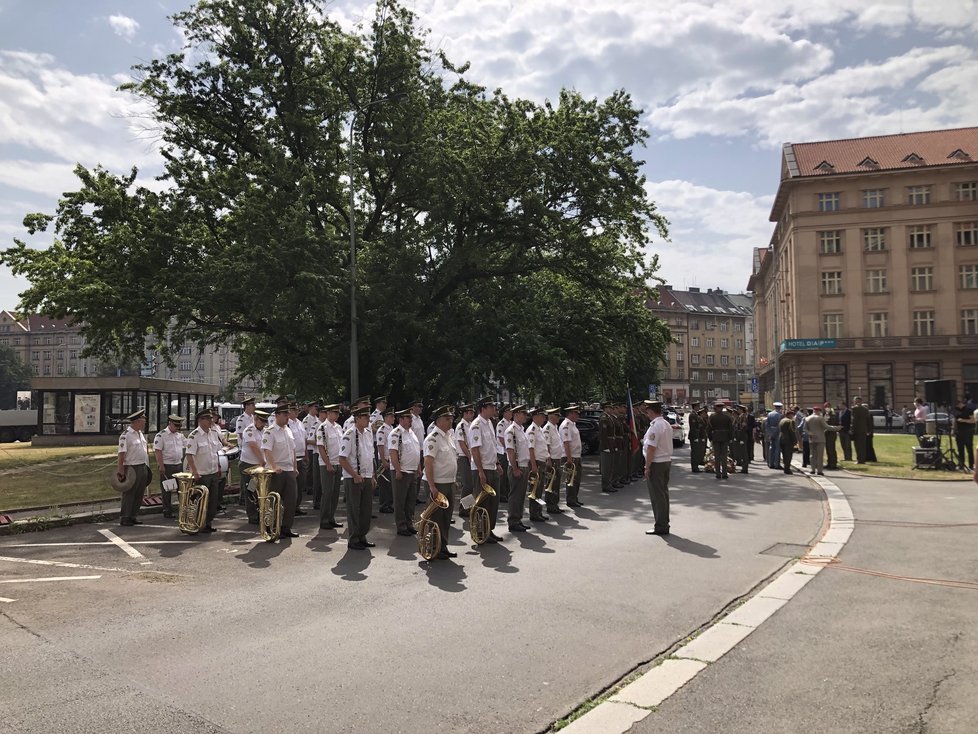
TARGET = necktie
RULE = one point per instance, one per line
(357, 433)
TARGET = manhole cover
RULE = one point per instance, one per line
(154, 577)
(786, 550)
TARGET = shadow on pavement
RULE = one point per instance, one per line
(532, 541)
(261, 554)
(446, 575)
(353, 564)
(497, 557)
(685, 545)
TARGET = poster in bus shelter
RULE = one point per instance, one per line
(87, 410)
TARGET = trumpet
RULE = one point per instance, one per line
(192, 515)
(269, 505)
(571, 475)
(551, 477)
(534, 485)
(429, 534)
(479, 524)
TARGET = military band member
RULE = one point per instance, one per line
(168, 447)
(203, 443)
(518, 458)
(606, 440)
(133, 453)
(463, 457)
(502, 460)
(555, 447)
(744, 439)
(357, 460)
(380, 409)
(482, 447)
(361, 402)
(278, 443)
(310, 423)
(539, 461)
(298, 434)
(329, 436)
(570, 437)
(247, 418)
(641, 426)
(405, 456)
(417, 425)
(697, 438)
(440, 467)
(385, 484)
(719, 428)
(252, 456)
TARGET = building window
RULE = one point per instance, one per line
(739, 361)
(877, 324)
(694, 375)
(917, 195)
(832, 326)
(874, 198)
(966, 233)
(47, 340)
(61, 354)
(966, 191)
(876, 281)
(61, 369)
(709, 376)
(738, 326)
(4, 342)
(740, 344)
(694, 324)
(874, 239)
(830, 242)
(709, 342)
(829, 202)
(694, 341)
(185, 366)
(711, 360)
(832, 282)
(724, 344)
(724, 325)
(835, 383)
(694, 359)
(724, 360)
(724, 376)
(923, 323)
(918, 236)
(922, 278)
(880, 385)
(72, 354)
(968, 275)
(679, 355)
(969, 321)
(185, 350)
(47, 370)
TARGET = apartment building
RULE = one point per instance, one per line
(870, 283)
(709, 360)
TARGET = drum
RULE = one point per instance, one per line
(225, 456)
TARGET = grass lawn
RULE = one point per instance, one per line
(894, 451)
(13, 455)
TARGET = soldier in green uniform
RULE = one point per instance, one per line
(743, 432)
(624, 445)
(697, 438)
(606, 438)
(720, 430)
(642, 423)
(619, 433)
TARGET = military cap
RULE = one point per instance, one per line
(332, 407)
(574, 408)
(293, 405)
(466, 408)
(175, 418)
(205, 413)
(263, 414)
(503, 407)
(281, 409)
(694, 404)
(519, 408)
(416, 402)
(311, 402)
(606, 404)
(551, 411)
(442, 412)
(388, 411)
(778, 404)
(361, 412)
(141, 413)
(406, 413)
(655, 405)
(486, 401)
(282, 399)
(362, 399)
(248, 399)
(537, 411)
(381, 399)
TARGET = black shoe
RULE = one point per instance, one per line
(617, 485)
(495, 537)
(337, 524)
(368, 544)
(253, 522)
(788, 471)
(656, 532)
(301, 512)
(541, 518)
(743, 471)
(373, 517)
(288, 533)
(555, 510)
(516, 529)
(208, 529)
(406, 533)
(445, 555)
(315, 507)
(387, 510)
(325, 526)
(419, 502)
(356, 546)
(168, 514)
(137, 522)
(492, 539)
(697, 471)
(126, 523)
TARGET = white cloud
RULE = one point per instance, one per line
(123, 26)
(712, 234)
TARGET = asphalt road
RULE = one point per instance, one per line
(857, 653)
(228, 634)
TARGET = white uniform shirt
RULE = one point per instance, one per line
(133, 445)
(461, 434)
(329, 435)
(501, 427)
(405, 442)
(244, 420)
(309, 424)
(537, 439)
(515, 439)
(441, 447)
(251, 435)
(552, 433)
(375, 416)
(171, 443)
(299, 437)
(570, 434)
(348, 424)
(279, 441)
(431, 428)
(381, 437)
(351, 441)
(659, 436)
(417, 425)
(203, 446)
(483, 437)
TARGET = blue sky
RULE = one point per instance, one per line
(723, 85)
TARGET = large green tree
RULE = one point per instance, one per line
(14, 376)
(498, 239)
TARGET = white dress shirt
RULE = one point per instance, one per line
(554, 444)
(570, 434)
(251, 436)
(461, 434)
(310, 423)
(515, 439)
(417, 425)
(329, 435)
(244, 420)
(299, 437)
(501, 427)
(203, 446)
(659, 436)
(441, 447)
(537, 439)
(133, 445)
(364, 441)
(405, 442)
(279, 441)
(482, 436)
(171, 443)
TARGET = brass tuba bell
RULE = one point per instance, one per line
(479, 523)
(429, 534)
(192, 513)
(269, 504)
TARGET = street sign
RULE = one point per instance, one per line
(653, 391)
(754, 384)
(793, 344)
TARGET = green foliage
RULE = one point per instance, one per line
(14, 376)
(497, 239)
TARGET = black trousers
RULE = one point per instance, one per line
(659, 493)
(443, 516)
(832, 458)
(786, 452)
(966, 450)
(133, 499)
(213, 484)
(720, 457)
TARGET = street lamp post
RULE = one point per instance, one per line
(354, 347)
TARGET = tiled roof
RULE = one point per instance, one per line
(882, 153)
(38, 323)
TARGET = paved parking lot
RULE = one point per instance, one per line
(228, 633)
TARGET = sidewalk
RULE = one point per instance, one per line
(854, 652)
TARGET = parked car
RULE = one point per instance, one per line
(879, 418)
(588, 428)
(678, 430)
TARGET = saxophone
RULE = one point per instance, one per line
(479, 524)
(269, 505)
(429, 534)
(192, 514)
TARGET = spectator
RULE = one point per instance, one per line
(964, 435)
(787, 437)
(772, 434)
(920, 414)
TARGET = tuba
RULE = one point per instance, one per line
(269, 505)
(192, 514)
(571, 475)
(479, 524)
(429, 534)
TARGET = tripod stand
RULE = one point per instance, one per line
(945, 457)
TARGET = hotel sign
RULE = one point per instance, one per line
(798, 344)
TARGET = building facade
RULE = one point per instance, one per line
(709, 359)
(870, 284)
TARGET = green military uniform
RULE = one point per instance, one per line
(742, 431)
(697, 439)
(606, 445)
(638, 459)
(720, 430)
(620, 478)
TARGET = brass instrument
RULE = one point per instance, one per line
(551, 477)
(192, 513)
(479, 524)
(269, 504)
(534, 485)
(429, 534)
(571, 475)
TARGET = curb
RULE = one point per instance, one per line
(638, 699)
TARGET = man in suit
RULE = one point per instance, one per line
(720, 431)
(860, 429)
(845, 432)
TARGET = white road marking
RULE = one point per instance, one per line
(98, 542)
(61, 564)
(50, 578)
(5, 600)
(126, 548)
